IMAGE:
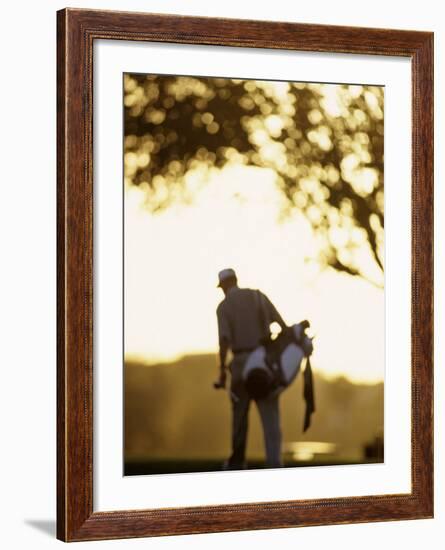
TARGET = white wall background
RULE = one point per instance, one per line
(28, 280)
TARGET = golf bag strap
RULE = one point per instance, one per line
(308, 394)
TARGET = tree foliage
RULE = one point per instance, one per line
(324, 143)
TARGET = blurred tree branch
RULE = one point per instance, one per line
(324, 143)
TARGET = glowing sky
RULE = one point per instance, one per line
(172, 259)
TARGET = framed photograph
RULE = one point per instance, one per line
(245, 275)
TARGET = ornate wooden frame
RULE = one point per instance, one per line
(76, 32)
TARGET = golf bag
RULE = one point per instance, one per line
(272, 367)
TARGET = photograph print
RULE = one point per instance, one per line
(253, 274)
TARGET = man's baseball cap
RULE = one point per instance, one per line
(225, 274)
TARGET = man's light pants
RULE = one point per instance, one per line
(270, 420)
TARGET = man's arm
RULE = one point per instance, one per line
(224, 345)
(223, 350)
(272, 312)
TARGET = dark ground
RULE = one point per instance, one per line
(188, 466)
(176, 422)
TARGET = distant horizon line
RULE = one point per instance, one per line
(141, 360)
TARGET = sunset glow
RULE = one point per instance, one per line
(172, 259)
